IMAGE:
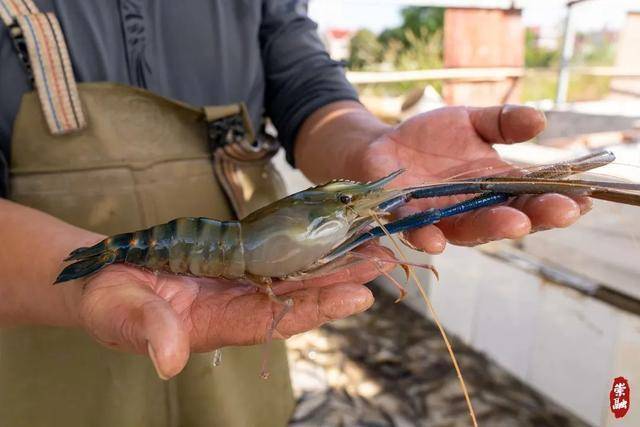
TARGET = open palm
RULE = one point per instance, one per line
(169, 316)
(454, 140)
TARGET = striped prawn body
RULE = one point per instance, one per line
(191, 246)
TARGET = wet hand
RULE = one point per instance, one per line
(168, 316)
(439, 144)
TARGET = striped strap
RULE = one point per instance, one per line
(9, 9)
(50, 63)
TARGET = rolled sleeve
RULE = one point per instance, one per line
(300, 76)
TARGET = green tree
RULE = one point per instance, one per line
(535, 56)
(415, 44)
(424, 51)
(417, 21)
(365, 50)
(420, 19)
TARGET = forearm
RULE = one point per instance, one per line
(330, 140)
(32, 247)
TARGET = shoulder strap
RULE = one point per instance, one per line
(49, 62)
(9, 9)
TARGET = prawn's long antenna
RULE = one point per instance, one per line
(392, 279)
(432, 310)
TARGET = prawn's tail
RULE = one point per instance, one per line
(89, 260)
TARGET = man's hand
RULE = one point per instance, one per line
(168, 316)
(439, 144)
(165, 316)
(433, 147)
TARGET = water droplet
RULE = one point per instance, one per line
(216, 358)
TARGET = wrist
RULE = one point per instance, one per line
(334, 139)
(70, 293)
(33, 248)
(355, 149)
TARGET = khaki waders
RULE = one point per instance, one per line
(136, 160)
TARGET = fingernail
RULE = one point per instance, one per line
(585, 206)
(540, 228)
(508, 108)
(521, 119)
(154, 359)
(515, 108)
(404, 238)
(341, 301)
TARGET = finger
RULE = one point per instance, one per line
(585, 203)
(486, 224)
(132, 317)
(548, 210)
(246, 320)
(507, 124)
(331, 303)
(429, 239)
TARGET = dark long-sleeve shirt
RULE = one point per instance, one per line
(203, 52)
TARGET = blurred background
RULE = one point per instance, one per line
(543, 325)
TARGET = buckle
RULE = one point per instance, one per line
(229, 128)
(225, 131)
(20, 45)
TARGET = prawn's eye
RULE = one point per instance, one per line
(345, 199)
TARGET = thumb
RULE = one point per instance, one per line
(130, 316)
(505, 124)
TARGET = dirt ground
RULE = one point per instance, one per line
(389, 367)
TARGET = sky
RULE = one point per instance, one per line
(376, 15)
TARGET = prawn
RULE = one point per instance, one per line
(300, 235)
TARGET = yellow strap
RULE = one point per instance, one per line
(50, 64)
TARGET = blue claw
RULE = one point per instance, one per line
(432, 216)
(418, 220)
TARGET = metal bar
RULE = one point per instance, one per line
(480, 74)
(568, 42)
(469, 74)
(607, 71)
(465, 4)
(562, 276)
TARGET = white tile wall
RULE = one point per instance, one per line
(566, 345)
(506, 313)
(573, 351)
(455, 297)
(626, 363)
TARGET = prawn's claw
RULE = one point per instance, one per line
(495, 190)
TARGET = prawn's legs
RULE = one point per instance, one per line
(378, 264)
(264, 283)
